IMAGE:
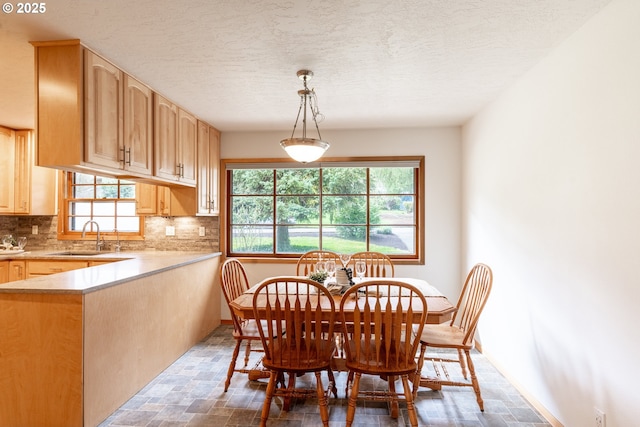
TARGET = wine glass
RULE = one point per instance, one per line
(22, 242)
(7, 241)
(330, 267)
(345, 258)
(320, 266)
(361, 269)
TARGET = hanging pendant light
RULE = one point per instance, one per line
(305, 149)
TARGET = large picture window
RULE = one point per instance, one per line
(287, 209)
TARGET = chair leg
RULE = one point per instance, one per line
(286, 405)
(463, 365)
(266, 407)
(322, 400)
(394, 407)
(348, 384)
(474, 380)
(351, 409)
(416, 381)
(332, 379)
(232, 365)
(408, 395)
(247, 353)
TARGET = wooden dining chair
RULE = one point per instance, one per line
(306, 311)
(378, 264)
(308, 260)
(458, 334)
(383, 339)
(233, 279)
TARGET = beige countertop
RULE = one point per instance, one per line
(127, 266)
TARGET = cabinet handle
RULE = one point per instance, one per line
(178, 170)
(121, 159)
(128, 156)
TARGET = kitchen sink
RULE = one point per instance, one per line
(78, 253)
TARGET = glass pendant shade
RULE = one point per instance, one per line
(305, 149)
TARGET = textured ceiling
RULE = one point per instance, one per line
(233, 63)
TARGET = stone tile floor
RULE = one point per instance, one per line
(190, 393)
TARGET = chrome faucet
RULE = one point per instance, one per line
(98, 242)
(118, 246)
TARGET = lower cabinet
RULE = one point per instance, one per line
(43, 268)
(4, 271)
(10, 271)
(17, 270)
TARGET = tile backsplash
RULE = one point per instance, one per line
(186, 234)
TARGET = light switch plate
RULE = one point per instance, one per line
(201, 231)
(170, 230)
(34, 229)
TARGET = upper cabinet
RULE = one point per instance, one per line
(103, 94)
(175, 143)
(208, 161)
(118, 118)
(101, 116)
(94, 118)
(137, 152)
(27, 189)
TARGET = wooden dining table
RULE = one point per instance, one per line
(439, 310)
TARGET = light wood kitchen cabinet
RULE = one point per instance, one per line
(208, 161)
(37, 268)
(7, 165)
(17, 270)
(4, 271)
(137, 153)
(175, 143)
(10, 271)
(26, 189)
(153, 199)
(118, 118)
(92, 117)
(161, 200)
(103, 111)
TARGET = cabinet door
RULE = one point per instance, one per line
(145, 199)
(214, 171)
(23, 162)
(7, 166)
(165, 138)
(17, 270)
(4, 271)
(208, 159)
(138, 130)
(202, 187)
(163, 200)
(103, 112)
(188, 146)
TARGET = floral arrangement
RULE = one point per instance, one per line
(319, 276)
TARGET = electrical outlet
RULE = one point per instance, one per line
(170, 230)
(600, 418)
(34, 229)
(201, 231)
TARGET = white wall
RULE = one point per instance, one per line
(551, 200)
(441, 148)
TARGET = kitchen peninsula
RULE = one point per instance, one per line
(76, 345)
